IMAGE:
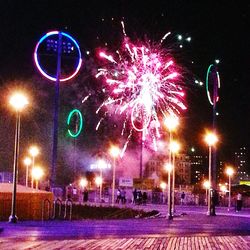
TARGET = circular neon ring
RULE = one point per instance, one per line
(80, 122)
(218, 83)
(41, 69)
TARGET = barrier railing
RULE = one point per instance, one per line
(68, 203)
(46, 204)
(57, 203)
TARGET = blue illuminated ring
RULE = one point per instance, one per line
(80, 122)
(41, 69)
(207, 82)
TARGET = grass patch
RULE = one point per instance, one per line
(100, 213)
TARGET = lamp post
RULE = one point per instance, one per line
(37, 174)
(206, 185)
(114, 151)
(211, 139)
(27, 162)
(169, 168)
(175, 147)
(98, 181)
(34, 151)
(163, 186)
(18, 101)
(171, 122)
(229, 172)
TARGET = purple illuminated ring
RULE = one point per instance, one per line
(41, 69)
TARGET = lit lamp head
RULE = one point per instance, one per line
(211, 139)
(18, 101)
(98, 180)
(37, 173)
(27, 161)
(171, 122)
(114, 151)
(223, 188)
(229, 171)
(83, 182)
(174, 147)
(163, 185)
(34, 151)
(168, 167)
(206, 184)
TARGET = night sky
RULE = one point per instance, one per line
(219, 29)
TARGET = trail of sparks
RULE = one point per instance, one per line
(143, 83)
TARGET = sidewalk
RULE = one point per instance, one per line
(195, 230)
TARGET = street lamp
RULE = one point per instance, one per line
(37, 174)
(229, 172)
(163, 186)
(174, 147)
(27, 162)
(83, 183)
(169, 168)
(18, 101)
(114, 152)
(98, 181)
(34, 151)
(206, 185)
(211, 139)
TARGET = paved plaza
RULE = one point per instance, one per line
(190, 229)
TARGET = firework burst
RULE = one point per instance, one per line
(143, 84)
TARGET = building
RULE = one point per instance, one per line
(241, 164)
(198, 171)
(183, 170)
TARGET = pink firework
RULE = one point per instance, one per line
(143, 83)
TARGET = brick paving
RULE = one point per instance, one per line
(161, 242)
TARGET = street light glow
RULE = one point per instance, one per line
(98, 180)
(171, 122)
(206, 184)
(18, 101)
(34, 151)
(27, 161)
(163, 185)
(229, 171)
(83, 182)
(37, 173)
(211, 139)
(174, 147)
(114, 151)
(168, 167)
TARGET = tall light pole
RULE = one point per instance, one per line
(206, 185)
(169, 168)
(27, 162)
(37, 174)
(18, 101)
(114, 151)
(211, 139)
(171, 122)
(229, 172)
(98, 181)
(34, 151)
(175, 147)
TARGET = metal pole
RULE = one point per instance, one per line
(173, 185)
(101, 186)
(13, 218)
(56, 110)
(229, 197)
(170, 216)
(32, 177)
(27, 175)
(209, 179)
(113, 184)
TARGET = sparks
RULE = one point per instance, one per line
(143, 82)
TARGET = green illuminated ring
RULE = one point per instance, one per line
(218, 84)
(80, 122)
